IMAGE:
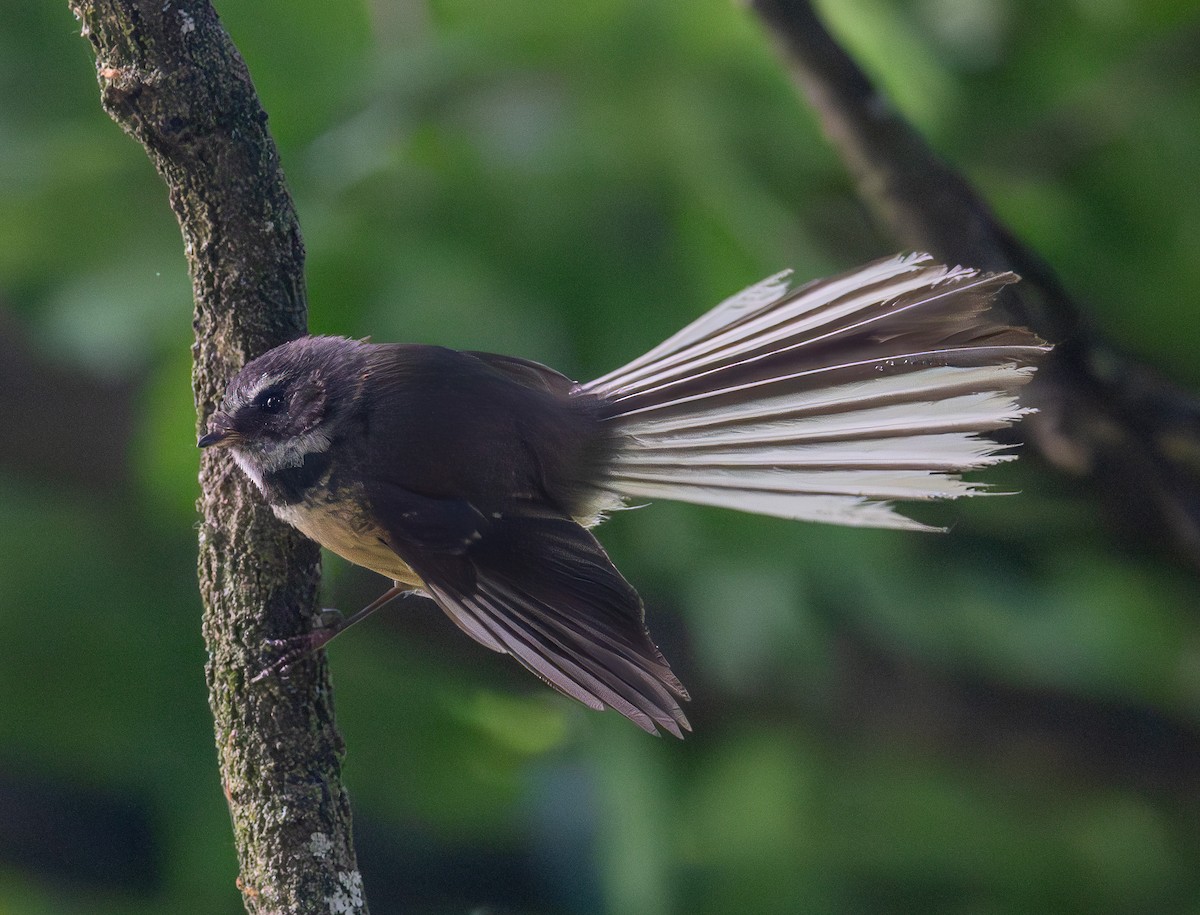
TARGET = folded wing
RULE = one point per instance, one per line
(541, 588)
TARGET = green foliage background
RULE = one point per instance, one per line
(1004, 719)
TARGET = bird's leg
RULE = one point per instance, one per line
(332, 622)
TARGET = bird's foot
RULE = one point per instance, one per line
(297, 647)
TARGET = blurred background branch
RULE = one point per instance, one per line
(171, 78)
(89, 443)
(1102, 414)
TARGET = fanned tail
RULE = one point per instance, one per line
(826, 402)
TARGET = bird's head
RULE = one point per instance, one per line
(287, 404)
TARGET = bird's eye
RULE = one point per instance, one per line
(270, 401)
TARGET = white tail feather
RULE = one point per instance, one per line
(827, 402)
(984, 411)
(953, 450)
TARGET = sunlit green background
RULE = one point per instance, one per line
(1003, 719)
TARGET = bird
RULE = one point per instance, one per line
(476, 479)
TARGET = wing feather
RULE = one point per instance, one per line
(539, 587)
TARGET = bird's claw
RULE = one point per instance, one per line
(297, 647)
(292, 650)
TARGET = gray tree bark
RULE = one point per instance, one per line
(170, 77)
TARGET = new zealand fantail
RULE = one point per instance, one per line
(475, 478)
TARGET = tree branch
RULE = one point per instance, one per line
(1102, 414)
(170, 77)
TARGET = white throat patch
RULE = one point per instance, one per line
(281, 455)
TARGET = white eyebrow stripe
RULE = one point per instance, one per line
(247, 394)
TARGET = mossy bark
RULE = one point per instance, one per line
(171, 78)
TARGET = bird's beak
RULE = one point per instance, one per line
(220, 432)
